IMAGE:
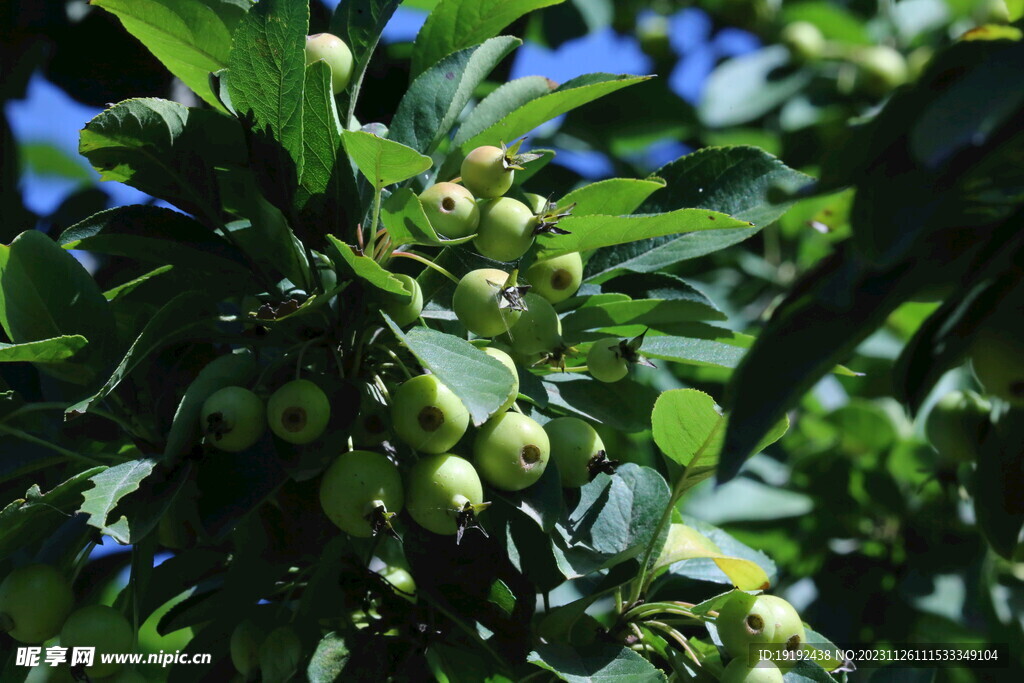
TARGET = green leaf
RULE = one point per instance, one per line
(46, 294)
(435, 100)
(327, 191)
(457, 24)
(568, 96)
(649, 256)
(382, 161)
(595, 663)
(407, 223)
(359, 23)
(481, 382)
(594, 232)
(745, 88)
(235, 369)
(627, 408)
(157, 235)
(165, 149)
(24, 521)
(503, 101)
(109, 487)
(738, 181)
(43, 351)
(328, 660)
(646, 312)
(191, 37)
(998, 481)
(50, 160)
(116, 295)
(699, 345)
(615, 519)
(366, 269)
(191, 313)
(612, 197)
(268, 71)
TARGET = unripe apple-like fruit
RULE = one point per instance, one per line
(537, 203)
(246, 640)
(556, 279)
(743, 621)
(484, 173)
(740, 671)
(103, 628)
(427, 415)
(789, 628)
(574, 443)
(538, 330)
(507, 361)
(997, 355)
(452, 210)
(402, 581)
(511, 451)
(233, 419)
(880, 69)
(280, 655)
(409, 312)
(298, 412)
(804, 40)
(336, 53)
(438, 488)
(478, 303)
(34, 601)
(605, 361)
(355, 485)
(506, 229)
(956, 425)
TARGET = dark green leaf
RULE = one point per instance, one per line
(432, 104)
(457, 24)
(627, 408)
(43, 351)
(359, 23)
(503, 101)
(612, 197)
(267, 69)
(596, 663)
(191, 37)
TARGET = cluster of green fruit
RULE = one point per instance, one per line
(748, 622)
(36, 604)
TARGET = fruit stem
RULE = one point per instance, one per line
(6, 623)
(674, 635)
(427, 262)
(373, 224)
(398, 361)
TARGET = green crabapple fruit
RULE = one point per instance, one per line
(485, 172)
(298, 412)
(740, 671)
(537, 203)
(789, 628)
(556, 279)
(336, 53)
(246, 640)
(427, 415)
(880, 69)
(280, 655)
(358, 489)
(103, 628)
(407, 313)
(438, 489)
(538, 330)
(745, 620)
(34, 601)
(507, 361)
(574, 444)
(956, 425)
(605, 360)
(233, 419)
(480, 305)
(804, 40)
(511, 451)
(997, 355)
(402, 581)
(452, 210)
(506, 229)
